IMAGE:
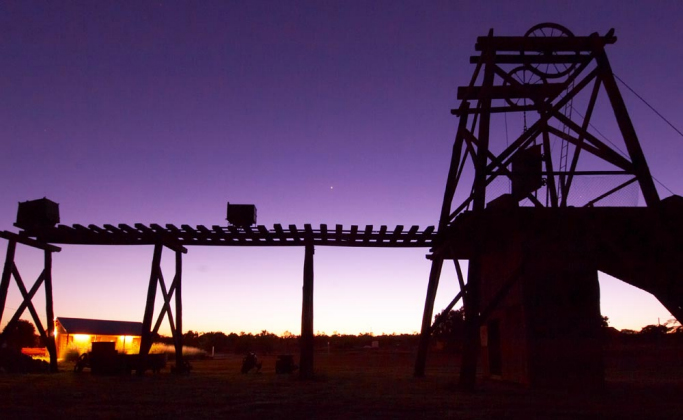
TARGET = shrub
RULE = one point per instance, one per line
(71, 355)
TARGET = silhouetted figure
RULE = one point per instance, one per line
(250, 362)
(82, 362)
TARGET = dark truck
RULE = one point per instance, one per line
(105, 360)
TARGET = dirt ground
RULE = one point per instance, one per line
(353, 384)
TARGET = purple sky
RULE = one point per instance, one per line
(317, 112)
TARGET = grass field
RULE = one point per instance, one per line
(354, 384)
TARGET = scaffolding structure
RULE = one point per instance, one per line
(518, 212)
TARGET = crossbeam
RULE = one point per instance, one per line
(10, 271)
(541, 44)
(176, 323)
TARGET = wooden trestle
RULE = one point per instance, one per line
(10, 271)
(177, 239)
(185, 235)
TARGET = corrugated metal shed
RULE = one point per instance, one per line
(99, 326)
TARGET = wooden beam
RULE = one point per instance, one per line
(263, 232)
(83, 230)
(114, 230)
(496, 110)
(28, 299)
(426, 331)
(411, 234)
(610, 192)
(536, 93)
(642, 171)
(66, 230)
(158, 229)
(550, 180)
(471, 343)
(13, 237)
(7, 273)
(205, 233)
(307, 339)
(458, 273)
(480, 160)
(295, 233)
(323, 233)
(50, 313)
(352, 235)
(173, 229)
(446, 310)
(144, 229)
(590, 144)
(280, 233)
(166, 306)
(308, 233)
(250, 235)
(178, 338)
(380, 235)
(188, 229)
(98, 230)
(219, 234)
(396, 234)
(129, 230)
(588, 114)
(536, 58)
(367, 233)
(542, 44)
(166, 240)
(25, 303)
(146, 338)
(426, 235)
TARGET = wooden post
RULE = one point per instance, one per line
(7, 274)
(642, 171)
(146, 339)
(471, 344)
(454, 169)
(178, 339)
(468, 368)
(307, 341)
(50, 313)
(481, 159)
(425, 333)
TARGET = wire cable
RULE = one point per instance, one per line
(617, 147)
(649, 106)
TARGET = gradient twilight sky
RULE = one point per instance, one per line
(317, 112)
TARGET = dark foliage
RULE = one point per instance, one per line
(21, 334)
(450, 329)
(265, 342)
(13, 361)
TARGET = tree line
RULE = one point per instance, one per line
(447, 335)
(269, 343)
(449, 332)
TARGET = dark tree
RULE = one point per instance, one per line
(191, 339)
(22, 334)
(653, 333)
(266, 342)
(450, 329)
(216, 341)
(604, 323)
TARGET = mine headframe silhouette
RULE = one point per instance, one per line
(538, 214)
